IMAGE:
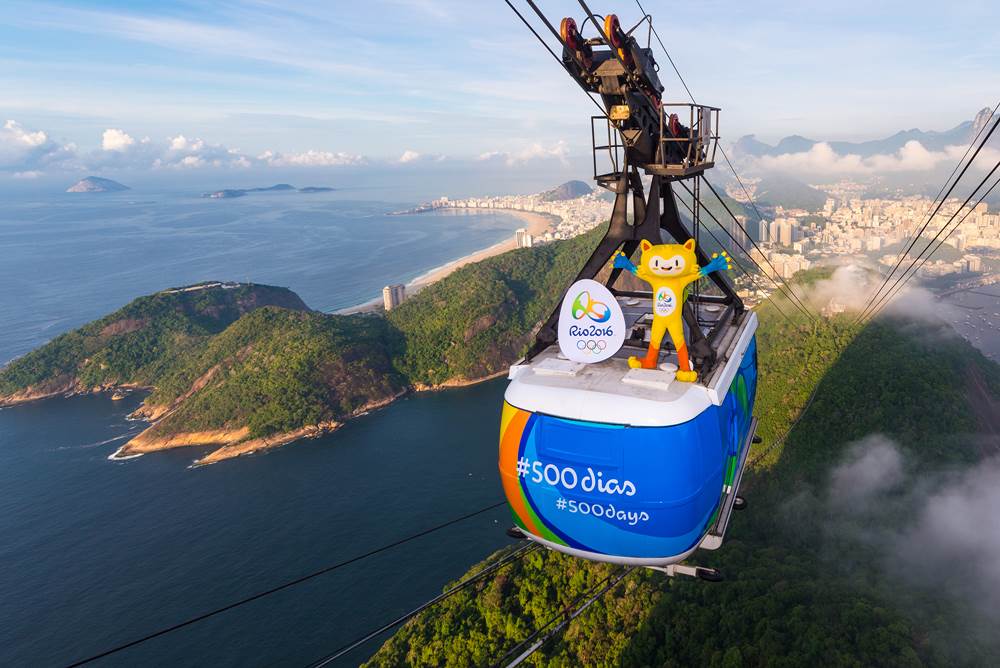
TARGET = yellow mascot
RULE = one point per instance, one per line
(669, 269)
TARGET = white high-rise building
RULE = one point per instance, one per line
(524, 240)
(763, 232)
(393, 296)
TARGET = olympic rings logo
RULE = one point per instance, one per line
(595, 347)
(584, 305)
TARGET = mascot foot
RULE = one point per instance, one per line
(687, 376)
(637, 363)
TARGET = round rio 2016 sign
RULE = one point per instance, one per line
(591, 324)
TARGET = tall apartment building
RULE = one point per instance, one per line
(393, 296)
(763, 231)
(524, 240)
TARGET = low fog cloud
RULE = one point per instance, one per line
(853, 287)
(934, 530)
(873, 466)
(849, 285)
(957, 531)
(822, 160)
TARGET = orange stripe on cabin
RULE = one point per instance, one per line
(512, 428)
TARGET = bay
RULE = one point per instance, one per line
(72, 258)
(94, 553)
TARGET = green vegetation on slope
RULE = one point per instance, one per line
(138, 343)
(255, 356)
(276, 370)
(479, 319)
(795, 594)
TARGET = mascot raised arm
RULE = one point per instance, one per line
(669, 269)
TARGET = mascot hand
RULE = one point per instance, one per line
(718, 263)
(622, 262)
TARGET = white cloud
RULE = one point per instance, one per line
(310, 158)
(822, 159)
(409, 156)
(181, 143)
(18, 135)
(116, 140)
(24, 150)
(530, 153)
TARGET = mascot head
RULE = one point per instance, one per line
(669, 260)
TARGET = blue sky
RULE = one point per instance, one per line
(419, 82)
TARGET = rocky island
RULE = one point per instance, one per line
(96, 184)
(229, 193)
(245, 367)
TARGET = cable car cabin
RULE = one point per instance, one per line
(604, 455)
(624, 465)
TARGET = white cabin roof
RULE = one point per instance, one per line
(612, 393)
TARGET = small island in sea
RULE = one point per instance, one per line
(229, 193)
(96, 184)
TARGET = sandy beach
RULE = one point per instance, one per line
(537, 224)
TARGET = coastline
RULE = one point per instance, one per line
(230, 443)
(536, 223)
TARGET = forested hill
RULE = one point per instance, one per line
(834, 563)
(250, 366)
(139, 342)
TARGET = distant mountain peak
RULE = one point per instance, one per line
(982, 118)
(96, 184)
(568, 190)
(959, 135)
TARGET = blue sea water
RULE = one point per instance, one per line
(74, 257)
(93, 552)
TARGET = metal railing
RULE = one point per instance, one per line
(694, 148)
(688, 151)
(614, 148)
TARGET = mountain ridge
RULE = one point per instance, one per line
(961, 134)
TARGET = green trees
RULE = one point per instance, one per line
(479, 319)
(804, 586)
(255, 356)
(140, 341)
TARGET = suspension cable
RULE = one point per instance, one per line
(948, 180)
(281, 587)
(517, 554)
(735, 259)
(910, 272)
(797, 302)
(578, 609)
(875, 300)
(545, 44)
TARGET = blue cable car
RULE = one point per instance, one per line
(638, 471)
(599, 459)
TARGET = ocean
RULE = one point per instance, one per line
(94, 553)
(75, 257)
(977, 318)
